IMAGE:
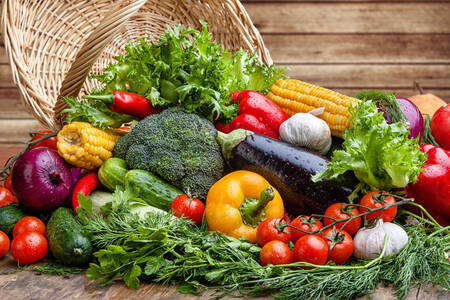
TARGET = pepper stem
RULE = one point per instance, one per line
(107, 99)
(253, 210)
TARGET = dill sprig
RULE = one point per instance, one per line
(168, 250)
(55, 268)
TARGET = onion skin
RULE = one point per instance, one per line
(414, 116)
(41, 180)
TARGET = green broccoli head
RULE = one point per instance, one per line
(177, 146)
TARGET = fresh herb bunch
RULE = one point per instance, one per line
(186, 67)
(169, 250)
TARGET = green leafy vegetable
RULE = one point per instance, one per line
(186, 67)
(386, 102)
(169, 250)
(427, 136)
(54, 268)
(380, 154)
(95, 112)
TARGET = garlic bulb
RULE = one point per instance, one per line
(306, 130)
(369, 242)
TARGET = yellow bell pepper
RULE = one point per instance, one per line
(238, 202)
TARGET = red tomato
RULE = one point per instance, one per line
(29, 247)
(6, 197)
(440, 126)
(8, 184)
(311, 249)
(377, 199)
(275, 253)
(192, 209)
(343, 247)
(49, 143)
(4, 244)
(267, 231)
(339, 211)
(306, 223)
(29, 224)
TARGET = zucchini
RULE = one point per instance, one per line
(288, 169)
(9, 215)
(112, 173)
(150, 188)
(67, 240)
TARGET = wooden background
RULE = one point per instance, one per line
(342, 45)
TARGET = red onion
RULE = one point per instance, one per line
(414, 117)
(41, 179)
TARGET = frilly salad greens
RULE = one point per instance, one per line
(380, 154)
(185, 67)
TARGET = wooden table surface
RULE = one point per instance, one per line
(343, 45)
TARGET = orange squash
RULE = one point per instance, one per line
(427, 103)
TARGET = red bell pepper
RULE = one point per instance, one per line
(85, 185)
(432, 189)
(128, 103)
(258, 114)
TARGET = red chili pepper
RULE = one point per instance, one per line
(258, 114)
(86, 185)
(432, 189)
(128, 103)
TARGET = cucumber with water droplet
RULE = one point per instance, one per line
(67, 240)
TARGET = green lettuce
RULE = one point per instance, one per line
(380, 154)
(185, 67)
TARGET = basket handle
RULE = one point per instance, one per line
(92, 48)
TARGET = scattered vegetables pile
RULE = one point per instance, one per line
(181, 171)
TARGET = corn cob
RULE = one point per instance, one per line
(85, 146)
(295, 96)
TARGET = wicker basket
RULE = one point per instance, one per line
(53, 44)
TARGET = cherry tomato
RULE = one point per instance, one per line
(311, 249)
(341, 211)
(267, 231)
(192, 209)
(378, 199)
(29, 247)
(306, 223)
(28, 224)
(8, 184)
(4, 244)
(6, 197)
(343, 246)
(275, 253)
(49, 143)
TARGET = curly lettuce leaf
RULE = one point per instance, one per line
(380, 154)
(186, 67)
(95, 112)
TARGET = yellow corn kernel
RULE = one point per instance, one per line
(85, 146)
(295, 96)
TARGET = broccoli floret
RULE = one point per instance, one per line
(177, 146)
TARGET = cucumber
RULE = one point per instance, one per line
(153, 190)
(67, 240)
(9, 216)
(112, 173)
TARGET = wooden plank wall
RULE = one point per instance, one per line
(343, 45)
